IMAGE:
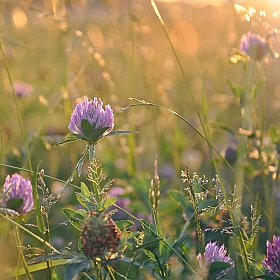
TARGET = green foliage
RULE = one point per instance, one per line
(148, 62)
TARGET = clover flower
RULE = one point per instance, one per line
(214, 253)
(90, 120)
(254, 46)
(20, 188)
(272, 262)
(22, 89)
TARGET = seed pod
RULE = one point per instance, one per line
(100, 235)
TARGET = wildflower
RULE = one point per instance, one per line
(214, 253)
(254, 46)
(100, 235)
(91, 121)
(22, 89)
(20, 189)
(272, 262)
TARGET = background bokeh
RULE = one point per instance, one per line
(60, 51)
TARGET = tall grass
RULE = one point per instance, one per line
(170, 72)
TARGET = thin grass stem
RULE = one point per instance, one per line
(21, 255)
(30, 233)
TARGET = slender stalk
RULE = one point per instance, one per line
(246, 127)
(159, 264)
(47, 176)
(16, 103)
(22, 258)
(93, 174)
(268, 189)
(30, 232)
(196, 211)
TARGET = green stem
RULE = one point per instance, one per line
(159, 238)
(246, 126)
(16, 102)
(91, 152)
(22, 258)
(30, 233)
(95, 182)
(45, 176)
(196, 212)
(159, 264)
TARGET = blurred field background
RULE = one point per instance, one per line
(60, 51)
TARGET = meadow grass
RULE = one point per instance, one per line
(171, 72)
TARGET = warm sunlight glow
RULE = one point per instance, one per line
(198, 3)
(19, 18)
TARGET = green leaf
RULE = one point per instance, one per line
(124, 224)
(65, 141)
(185, 249)
(217, 267)
(120, 132)
(35, 267)
(72, 137)
(74, 217)
(267, 277)
(84, 190)
(150, 264)
(55, 274)
(82, 212)
(75, 136)
(80, 197)
(14, 203)
(97, 133)
(75, 268)
(56, 256)
(274, 134)
(256, 89)
(80, 243)
(178, 243)
(109, 201)
(236, 89)
(86, 127)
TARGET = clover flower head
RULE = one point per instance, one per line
(214, 253)
(20, 188)
(93, 112)
(272, 261)
(254, 46)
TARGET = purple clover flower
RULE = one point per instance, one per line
(21, 188)
(22, 89)
(93, 112)
(214, 253)
(254, 46)
(272, 262)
